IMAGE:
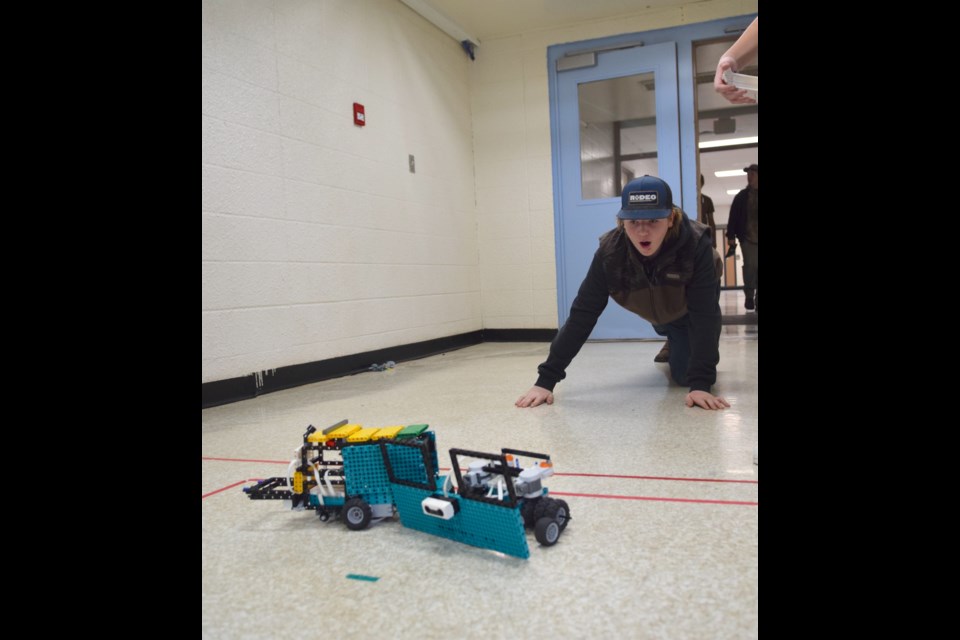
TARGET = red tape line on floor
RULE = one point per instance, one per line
(611, 497)
(580, 475)
(229, 486)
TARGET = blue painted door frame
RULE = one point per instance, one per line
(676, 150)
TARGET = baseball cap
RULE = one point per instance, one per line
(645, 198)
(752, 167)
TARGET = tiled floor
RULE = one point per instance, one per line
(731, 303)
(663, 541)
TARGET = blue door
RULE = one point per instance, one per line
(615, 117)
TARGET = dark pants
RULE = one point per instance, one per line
(678, 334)
(751, 269)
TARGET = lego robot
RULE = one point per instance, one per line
(362, 475)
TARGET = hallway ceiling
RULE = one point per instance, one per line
(496, 18)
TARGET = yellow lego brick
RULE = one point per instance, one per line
(336, 434)
(387, 432)
(363, 435)
(297, 482)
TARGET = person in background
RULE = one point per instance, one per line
(743, 225)
(706, 213)
(661, 265)
(742, 52)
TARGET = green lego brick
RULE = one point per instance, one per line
(412, 430)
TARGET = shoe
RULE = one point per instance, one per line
(664, 355)
(748, 304)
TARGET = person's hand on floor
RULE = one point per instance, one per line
(536, 396)
(706, 400)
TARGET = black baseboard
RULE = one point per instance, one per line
(519, 335)
(235, 389)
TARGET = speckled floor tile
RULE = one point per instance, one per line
(663, 542)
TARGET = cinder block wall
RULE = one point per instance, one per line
(317, 240)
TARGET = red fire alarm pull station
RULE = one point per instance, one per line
(359, 118)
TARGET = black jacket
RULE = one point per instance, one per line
(737, 224)
(680, 280)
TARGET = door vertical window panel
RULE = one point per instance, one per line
(618, 133)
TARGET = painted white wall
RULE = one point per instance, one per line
(317, 242)
(511, 128)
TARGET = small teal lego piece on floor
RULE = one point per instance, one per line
(357, 576)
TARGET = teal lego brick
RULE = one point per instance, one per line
(328, 501)
(478, 524)
(408, 464)
(365, 474)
